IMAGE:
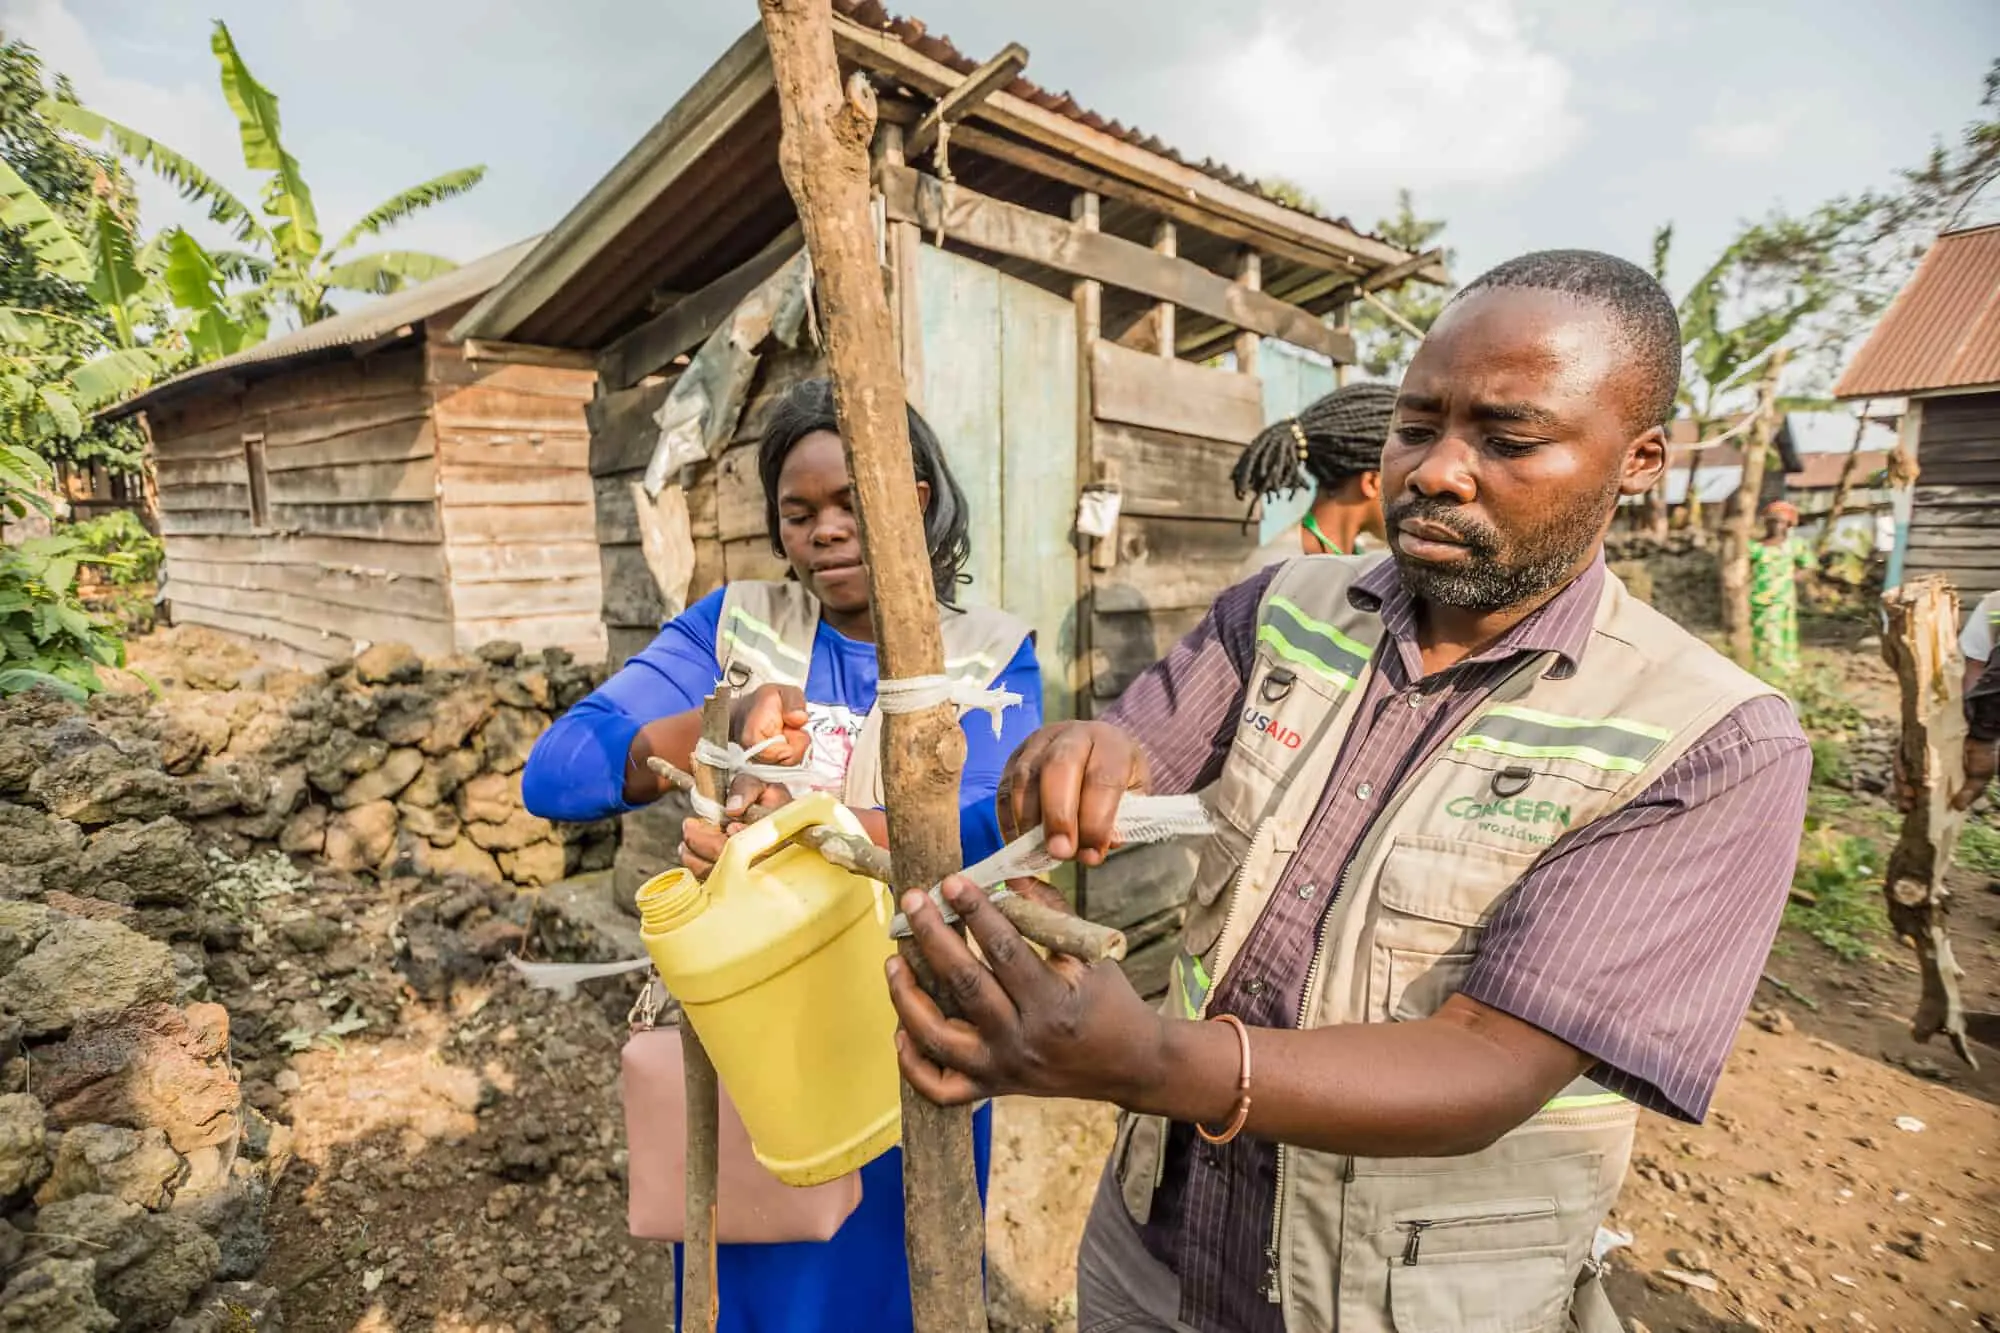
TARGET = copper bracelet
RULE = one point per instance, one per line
(1236, 1121)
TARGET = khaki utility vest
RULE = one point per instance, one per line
(1495, 1240)
(765, 637)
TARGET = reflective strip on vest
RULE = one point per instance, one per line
(1190, 984)
(1583, 1100)
(750, 637)
(1313, 644)
(1614, 744)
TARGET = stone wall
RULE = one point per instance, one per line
(388, 765)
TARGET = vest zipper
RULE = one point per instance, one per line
(1229, 916)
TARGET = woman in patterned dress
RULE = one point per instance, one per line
(1775, 560)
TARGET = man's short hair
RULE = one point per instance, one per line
(1644, 312)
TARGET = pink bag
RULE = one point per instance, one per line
(752, 1206)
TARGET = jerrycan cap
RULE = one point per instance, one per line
(669, 901)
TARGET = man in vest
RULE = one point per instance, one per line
(1500, 853)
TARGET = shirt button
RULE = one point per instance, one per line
(1416, 699)
(1305, 890)
(1365, 790)
(1210, 1156)
(1254, 986)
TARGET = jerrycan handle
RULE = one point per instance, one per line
(787, 821)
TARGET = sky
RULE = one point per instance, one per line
(1525, 124)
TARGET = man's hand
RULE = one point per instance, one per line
(1981, 758)
(1046, 1028)
(1068, 779)
(768, 711)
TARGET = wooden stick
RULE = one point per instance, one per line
(1053, 929)
(1739, 520)
(699, 1294)
(1917, 643)
(823, 152)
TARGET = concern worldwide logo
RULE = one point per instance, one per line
(1516, 817)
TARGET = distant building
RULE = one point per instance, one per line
(1939, 347)
(362, 480)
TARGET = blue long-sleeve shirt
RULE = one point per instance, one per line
(577, 769)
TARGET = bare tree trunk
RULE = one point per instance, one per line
(1845, 485)
(824, 153)
(1919, 645)
(1691, 505)
(1739, 515)
(1656, 524)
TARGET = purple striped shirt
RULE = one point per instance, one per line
(1637, 938)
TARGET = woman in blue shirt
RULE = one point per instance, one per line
(817, 702)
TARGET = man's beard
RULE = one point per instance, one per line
(1495, 573)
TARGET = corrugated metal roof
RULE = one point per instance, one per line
(914, 34)
(1833, 433)
(371, 322)
(1943, 331)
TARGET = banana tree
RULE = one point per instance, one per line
(56, 368)
(289, 265)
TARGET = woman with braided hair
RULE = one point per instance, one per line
(1335, 446)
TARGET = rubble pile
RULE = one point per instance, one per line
(223, 838)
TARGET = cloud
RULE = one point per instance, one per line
(1738, 132)
(1354, 105)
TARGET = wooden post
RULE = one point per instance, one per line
(698, 1292)
(1739, 517)
(1918, 643)
(1846, 482)
(1088, 297)
(1343, 322)
(1249, 272)
(904, 241)
(824, 153)
(1903, 471)
(1166, 241)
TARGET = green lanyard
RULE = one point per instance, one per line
(1310, 524)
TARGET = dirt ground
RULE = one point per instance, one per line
(459, 1161)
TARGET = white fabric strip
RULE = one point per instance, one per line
(916, 693)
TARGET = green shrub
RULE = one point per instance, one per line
(120, 546)
(46, 635)
(1841, 874)
(1979, 847)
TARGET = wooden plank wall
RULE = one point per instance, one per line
(353, 551)
(515, 500)
(1171, 431)
(725, 501)
(1955, 525)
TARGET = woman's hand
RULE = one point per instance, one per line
(772, 711)
(701, 841)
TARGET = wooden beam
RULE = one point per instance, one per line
(648, 348)
(1250, 273)
(884, 53)
(1021, 232)
(1043, 163)
(1165, 242)
(718, 101)
(958, 103)
(526, 354)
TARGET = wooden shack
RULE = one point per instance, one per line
(1076, 304)
(365, 480)
(1938, 346)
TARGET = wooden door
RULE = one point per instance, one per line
(999, 389)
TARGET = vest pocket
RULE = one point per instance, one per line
(1434, 899)
(1491, 1266)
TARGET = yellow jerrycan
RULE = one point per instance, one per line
(778, 965)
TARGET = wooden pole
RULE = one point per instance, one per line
(1739, 517)
(1249, 272)
(699, 1296)
(1918, 645)
(1846, 483)
(826, 131)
